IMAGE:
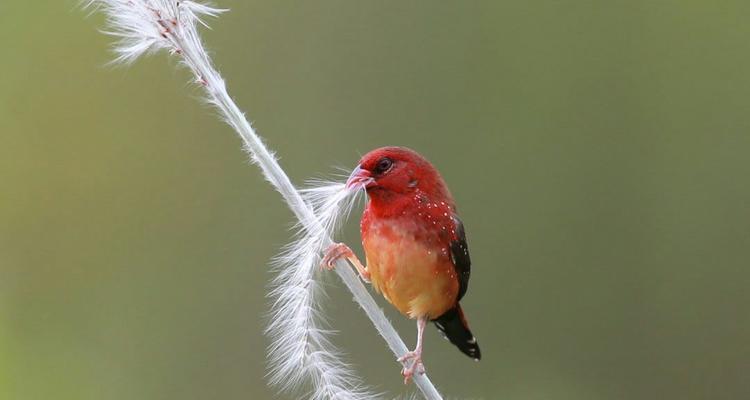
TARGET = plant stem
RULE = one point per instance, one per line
(278, 178)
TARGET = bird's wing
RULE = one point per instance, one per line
(460, 257)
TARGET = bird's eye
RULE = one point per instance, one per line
(383, 165)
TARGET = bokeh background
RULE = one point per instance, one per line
(598, 151)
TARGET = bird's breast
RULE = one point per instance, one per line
(410, 265)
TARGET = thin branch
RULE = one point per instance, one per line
(144, 26)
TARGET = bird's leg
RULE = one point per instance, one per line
(340, 250)
(416, 355)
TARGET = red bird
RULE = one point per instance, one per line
(415, 246)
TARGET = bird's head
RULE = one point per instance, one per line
(389, 173)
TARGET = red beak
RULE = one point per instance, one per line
(360, 178)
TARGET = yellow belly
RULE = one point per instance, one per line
(417, 278)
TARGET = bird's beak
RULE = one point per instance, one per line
(360, 178)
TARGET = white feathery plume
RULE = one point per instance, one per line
(300, 349)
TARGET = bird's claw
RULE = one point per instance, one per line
(333, 253)
(416, 366)
(407, 356)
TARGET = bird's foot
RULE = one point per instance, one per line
(412, 362)
(333, 253)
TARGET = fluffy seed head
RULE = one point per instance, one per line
(300, 350)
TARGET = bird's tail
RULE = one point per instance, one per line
(453, 326)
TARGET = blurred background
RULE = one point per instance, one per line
(598, 152)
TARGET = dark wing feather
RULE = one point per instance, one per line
(460, 257)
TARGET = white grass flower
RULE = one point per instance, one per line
(301, 350)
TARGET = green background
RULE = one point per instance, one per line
(598, 152)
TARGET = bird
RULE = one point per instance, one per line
(415, 247)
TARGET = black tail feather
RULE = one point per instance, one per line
(453, 326)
